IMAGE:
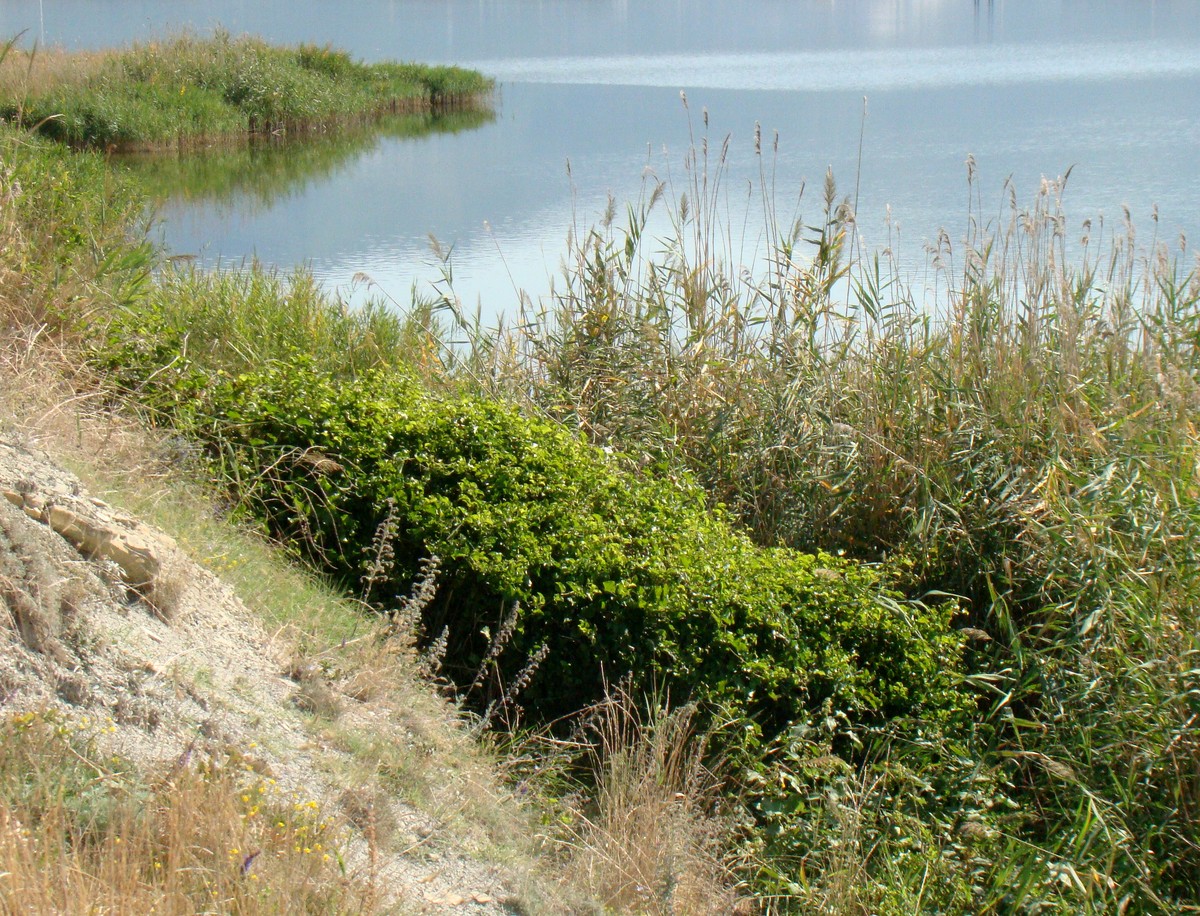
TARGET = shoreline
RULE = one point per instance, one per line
(188, 92)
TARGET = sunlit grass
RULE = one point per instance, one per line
(187, 90)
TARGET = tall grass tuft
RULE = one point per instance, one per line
(644, 830)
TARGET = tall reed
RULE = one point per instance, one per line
(1021, 432)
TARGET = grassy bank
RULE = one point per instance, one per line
(1023, 447)
(80, 829)
(189, 90)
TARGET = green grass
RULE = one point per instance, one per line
(74, 243)
(237, 320)
(189, 90)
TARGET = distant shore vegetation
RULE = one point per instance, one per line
(189, 90)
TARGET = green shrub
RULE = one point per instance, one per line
(614, 572)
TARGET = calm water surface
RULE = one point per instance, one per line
(1030, 88)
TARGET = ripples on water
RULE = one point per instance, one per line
(862, 71)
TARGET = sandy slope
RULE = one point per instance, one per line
(175, 668)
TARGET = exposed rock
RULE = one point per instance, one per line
(144, 556)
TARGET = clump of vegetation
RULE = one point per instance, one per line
(188, 90)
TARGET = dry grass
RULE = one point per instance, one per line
(39, 603)
(81, 833)
(25, 73)
(646, 835)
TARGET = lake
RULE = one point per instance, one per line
(893, 95)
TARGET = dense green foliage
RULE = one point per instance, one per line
(614, 572)
(189, 89)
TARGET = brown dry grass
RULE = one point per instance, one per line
(81, 833)
(28, 72)
(649, 838)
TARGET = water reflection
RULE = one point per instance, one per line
(253, 174)
(985, 20)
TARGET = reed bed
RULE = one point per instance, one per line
(1021, 434)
